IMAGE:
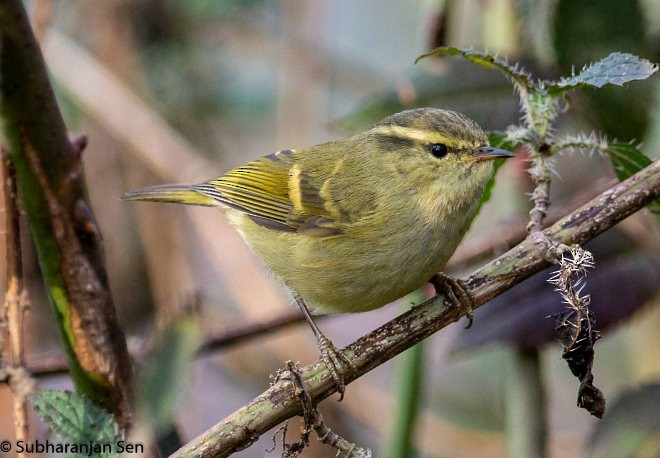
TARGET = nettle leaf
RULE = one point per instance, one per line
(520, 78)
(616, 69)
(74, 418)
(627, 160)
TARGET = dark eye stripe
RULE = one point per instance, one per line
(393, 141)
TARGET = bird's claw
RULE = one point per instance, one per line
(335, 361)
(457, 292)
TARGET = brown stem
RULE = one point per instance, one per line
(15, 296)
(249, 331)
(53, 193)
(279, 402)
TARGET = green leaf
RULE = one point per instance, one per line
(616, 69)
(627, 160)
(496, 140)
(164, 377)
(76, 419)
(589, 30)
(520, 78)
(485, 197)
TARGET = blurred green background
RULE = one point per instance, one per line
(181, 91)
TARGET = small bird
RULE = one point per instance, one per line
(355, 223)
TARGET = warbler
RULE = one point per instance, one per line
(355, 223)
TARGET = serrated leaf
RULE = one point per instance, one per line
(585, 29)
(166, 373)
(75, 419)
(627, 160)
(519, 78)
(616, 69)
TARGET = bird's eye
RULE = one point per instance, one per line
(439, 150)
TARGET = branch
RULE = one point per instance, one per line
(67, 240)
(16, 301)
(279, 402)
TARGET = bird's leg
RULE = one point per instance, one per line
(458, 293)
(332, 357)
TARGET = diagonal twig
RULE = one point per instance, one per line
(49, 171)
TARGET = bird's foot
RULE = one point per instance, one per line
(333, 359)
(312, 421)
(335, 362)
(457, 292)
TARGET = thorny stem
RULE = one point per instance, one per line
(576, 325)
(570, 277)
(576, 328)
(540, 111)
(15, 303)
(540, 174)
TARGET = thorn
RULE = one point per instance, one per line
(84, 218)
(79, 143)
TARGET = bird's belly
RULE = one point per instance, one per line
(368, 279)
(353, 273)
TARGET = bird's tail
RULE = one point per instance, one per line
(175, 193)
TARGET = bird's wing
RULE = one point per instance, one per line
(275, 193)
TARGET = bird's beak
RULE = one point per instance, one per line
(488, 153)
